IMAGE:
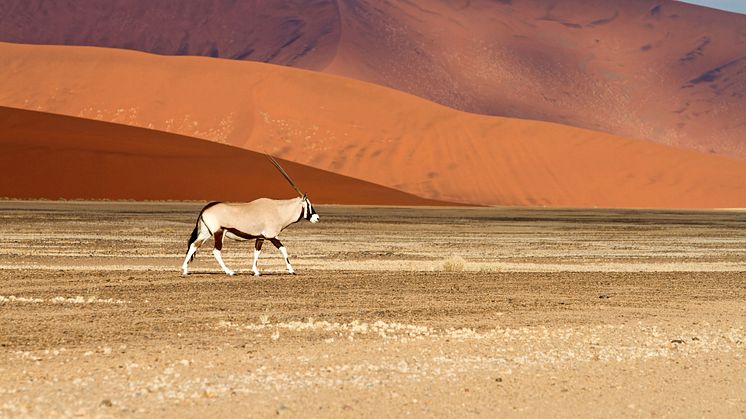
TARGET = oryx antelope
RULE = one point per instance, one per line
(262, 219)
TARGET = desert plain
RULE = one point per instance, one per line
(449, 140)
(395, 311)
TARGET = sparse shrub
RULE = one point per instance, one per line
(454, 264)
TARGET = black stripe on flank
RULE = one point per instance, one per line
(241, 234)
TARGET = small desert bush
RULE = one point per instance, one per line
(454, 264)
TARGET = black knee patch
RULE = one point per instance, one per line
(219, 240)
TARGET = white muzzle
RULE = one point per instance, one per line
(314, 218)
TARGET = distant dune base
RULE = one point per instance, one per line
(58, 157)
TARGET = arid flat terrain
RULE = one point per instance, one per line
(491, 312)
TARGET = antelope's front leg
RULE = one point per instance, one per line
(257, 251)
(216, 251)
(284, 251)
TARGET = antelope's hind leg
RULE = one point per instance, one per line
(217, 252)
(198, 238)
(257, 251)
(284, 251)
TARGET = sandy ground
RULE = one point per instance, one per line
(422, 312)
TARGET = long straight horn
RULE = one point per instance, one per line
(284, 173)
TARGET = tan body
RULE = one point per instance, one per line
(259, 220)
(264, 217)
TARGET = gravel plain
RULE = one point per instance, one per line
(395, 312)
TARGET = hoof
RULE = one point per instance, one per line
(231, 273)
(292, 273)
(257, 274)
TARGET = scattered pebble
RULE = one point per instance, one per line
(282, 409)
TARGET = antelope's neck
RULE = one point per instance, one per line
(292, 211)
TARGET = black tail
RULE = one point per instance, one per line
(195, 232)
(193, 238)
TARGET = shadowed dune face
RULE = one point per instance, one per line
(54, 156)
(665, 71)
(301, 33)
(390, 138)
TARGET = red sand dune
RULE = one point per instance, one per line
(665, 71)
(367, 131)
(53, 156)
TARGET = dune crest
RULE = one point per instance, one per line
(366, 131)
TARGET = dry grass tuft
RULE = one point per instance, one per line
(454, 264)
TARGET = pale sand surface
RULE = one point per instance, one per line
(382, 320)
(390, 138)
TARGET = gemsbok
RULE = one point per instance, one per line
(261, 219)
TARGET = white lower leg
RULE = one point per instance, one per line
(219, 258)
(190, 253)
(253, 265)
(287, 260)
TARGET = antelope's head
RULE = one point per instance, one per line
(308, 212)
(306, 207)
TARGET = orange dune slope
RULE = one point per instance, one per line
(661, 70)
(366, 131)
(53, 156)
